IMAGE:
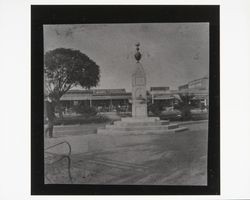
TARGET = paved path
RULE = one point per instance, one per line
(87, 129)
(171, 159)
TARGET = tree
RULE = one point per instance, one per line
(185, 106)
(155, 108)
(66, 68)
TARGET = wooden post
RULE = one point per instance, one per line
(90, 102)
(111, 105)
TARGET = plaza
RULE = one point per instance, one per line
(167, 159)
(134, 144)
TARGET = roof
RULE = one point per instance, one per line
(109, 91)
(159, 88)
(73, 97)
(183, 86)
(195, 91)
(80, 92)
(96, 94)
(163, 96)
(97, 91)
(205, 77)
(105, 94)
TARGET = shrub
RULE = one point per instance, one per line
(87, 111)
(156, 109)
(184, 105)
(81, 120)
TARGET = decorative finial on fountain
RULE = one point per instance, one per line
(137, 54)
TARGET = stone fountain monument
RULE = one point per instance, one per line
(140, 123)
(139, 92)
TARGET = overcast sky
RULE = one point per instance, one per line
(172, 53)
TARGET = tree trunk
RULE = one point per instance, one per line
(59, 106)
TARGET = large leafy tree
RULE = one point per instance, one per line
(66, 68)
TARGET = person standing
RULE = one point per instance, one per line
(50, 110)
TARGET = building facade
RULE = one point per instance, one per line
(107, 100)
(103, 99)
(199, 89)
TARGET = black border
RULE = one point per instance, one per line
(76, 14)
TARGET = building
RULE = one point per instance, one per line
(106, 100)
(199, 88)
(163, 96)
(102, 99)
(183, 87)
(200, 84)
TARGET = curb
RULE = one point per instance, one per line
(193, 122)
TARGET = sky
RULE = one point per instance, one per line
(172, 53)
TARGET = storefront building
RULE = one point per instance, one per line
(107, 100)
